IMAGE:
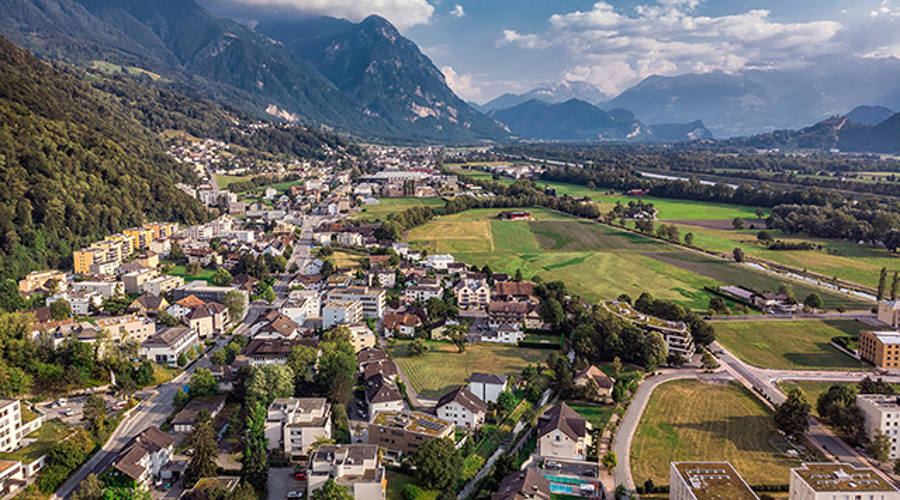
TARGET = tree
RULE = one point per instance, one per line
(689, 239)
(438, 463)
(506, 402)
(219, 358)
(418, 347)
(270, 295)
(182, 360)
(841, 308)
(202, 440)
(60, 309)
(221, 277)
(881, 284)
(552, 312)
(654, 351)
(760, 213)
(709, 361)
(89, 489)
(880, 446)
(738, 254)
(813, 301)
(410, 492)
(269, 382)
(202, 384)
(458, 336)
(331, 491)
(327, 269)
(94, 413)
(787, 289)
(236, 304)
(193, 269)
(609, 460)
(792, 416)
(518, 276)
(504, 466)
(895, 285)
(738, 223)
(164, 318)
(255, 464)
(764, 236)
(301, 360)
(176, 253)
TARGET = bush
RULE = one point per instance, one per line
(411, 492)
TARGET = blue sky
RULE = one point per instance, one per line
(488, 47)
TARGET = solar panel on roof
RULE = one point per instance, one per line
(430, 425)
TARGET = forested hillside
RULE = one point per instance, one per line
(75, 167)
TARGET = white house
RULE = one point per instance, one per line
(487, 386)
(829, 481)
(356, 466)
(81, 302)
(341, 312)
(294, 424)
(563, 433)
(314, 267)
(422, 293)
(464, 409)
(142, 459)
(439, 261)
(105, 288)
(167, 345)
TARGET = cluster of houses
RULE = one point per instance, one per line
(775, 302)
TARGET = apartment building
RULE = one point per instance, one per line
(507, 313)
(371, 299)
(882, 412)
(882, 349)
(139, 464)
(130, 327)
(134, 281)
(140, 236)
(421, 293)
(487, 386)
(80, 302)
(706, 481)
(404, 432)
(83, 259)
(162, 285)
(273, 352)
(10, 422)
(472, 293)
(294, 424)
(167, 345)
(40, 280)
(106, 289)
(356, 466)
(206, 293)
(162, 229)
(301, 308)
(830, 481)
(889, 312)
(341, 312)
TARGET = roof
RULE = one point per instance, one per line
(167, 337)
(528, 483)
(150, 301)
(488, 378)
(188, 415)
(842, 477)
(888, 337)
(151, 440)
(381, 390)
(412, 421)
(392, 321)
(41, 314)
(517, 288)
(276, 347)
(342, 453)
(385, 368)
(465, 398)
(561, 417)
(191, 301)
(371, 355)
(603, 381)
(714, 481)
(508, 307)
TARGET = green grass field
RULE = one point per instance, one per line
(597, 415)
(442, 368)
(687, 420)
(205, 274)
(394, 205)
(397, 480)
(44, 438)
(802, 344)
(223, 181)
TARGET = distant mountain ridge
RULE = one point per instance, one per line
(561, 92)
(869, 115)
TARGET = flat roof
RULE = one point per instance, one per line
(842, 477)
(714, 481)
(881, 400)
(887, 337)
(412, 421)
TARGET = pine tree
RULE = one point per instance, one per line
(255, 465)
(881, 284)
(895, 285)
(203, 441)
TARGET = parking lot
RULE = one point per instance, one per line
(282, 485)
(573, 469)
(71, 412)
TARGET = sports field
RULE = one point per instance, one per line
(786, 345)
(442, 368)
(687, 420)
(389, 206)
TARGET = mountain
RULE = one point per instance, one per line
(869, 115)
(561, 92)
(387, 75)
(77, 166)
(674, 132)
(572, 120)
(757, 101)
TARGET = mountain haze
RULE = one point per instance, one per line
(561, 92)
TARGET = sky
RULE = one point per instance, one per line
(486, 48)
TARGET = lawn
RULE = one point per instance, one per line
(394, 205)
(45, 437)
(813, 390)
(397, 480)
(344, 259)
(223, 180)
(442, 368)
(205, 274)
(163, 374)
(687, 420)
(801, 344)
(597, 415)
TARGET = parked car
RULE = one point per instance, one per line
(61, 402)
(69, 412)
(300, 476)
(295, 494)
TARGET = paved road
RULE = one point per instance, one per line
(857, 315)
(301, 256)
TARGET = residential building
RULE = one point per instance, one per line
(141, 236)
(148, 258)
(139, 463)
(382, 278)
(882, 412)
(162, 246)
(439, 261)
(507, 313)
(361, 337)
(208, 319)
(563, 433)
(403, 325)
(12, 478)
(350, 239)
(356, 466)
(244, 282)
(167, 345)
(505, 333)
(83, 259)
(273, 352)
(382, 394)
(302, 307)
(40, 280)
(522, 485)
(81, 302)
(889, 312)
(107, 267)
(604, 382)
(370, 355)
(134, 281)
(294, 424)
(513, 291)
(387, 369)
(129, 327)
(338, 312)
(273, 325)
(371, 299)
(829, 481)
(148, 304)
(184, 306)
(405, 431)
(707, 481)
(10, 424)
(463, 408)
(487, 386)
(162, 229)
(421, 293)
(183, 422)
(882, 349)
(205, 256)
(472, 293)
(208, 293)
(515, 215)
(314, 267)
(677, 334)
(162, 285)
(106, 289)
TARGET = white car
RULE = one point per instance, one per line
(295, 494)
(69, 412)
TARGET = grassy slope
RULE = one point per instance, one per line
(687, 420)
(393, 205)
(789, 344)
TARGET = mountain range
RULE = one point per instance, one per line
(561, 92)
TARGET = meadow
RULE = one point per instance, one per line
(390, 206)
(687, 420)
(442, 368)
(790, 345)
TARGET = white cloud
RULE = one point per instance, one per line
(615, 48)
(401, 13)
(457, 11)
(462, 85)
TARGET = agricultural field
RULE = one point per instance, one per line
(786, 345)
(223, 180)
(442, 368)
(390, 206)
(687, 420)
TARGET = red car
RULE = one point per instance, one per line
(300, 476)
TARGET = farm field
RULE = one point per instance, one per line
(687, 420)
(223, 181)
(394, 205)
(442, 368)
(799, 345)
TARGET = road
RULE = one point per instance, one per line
(301, 255)
(857, 315)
